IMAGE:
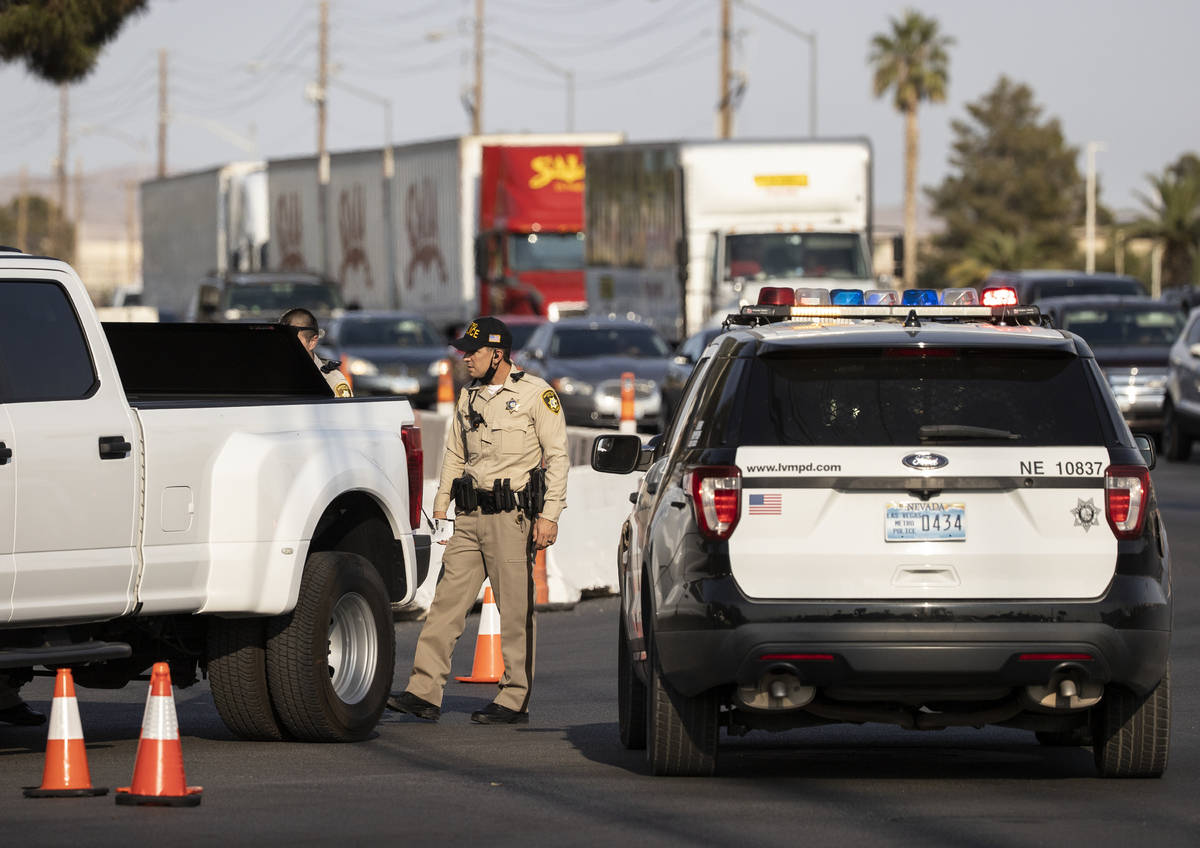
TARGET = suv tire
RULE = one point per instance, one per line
(1131, 733)
(681, 732)
(329, 661)
(237, 676)
(631, 695)
(1176, 444)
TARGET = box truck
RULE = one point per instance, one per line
(678, 231)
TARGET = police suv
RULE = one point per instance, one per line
(911, 508)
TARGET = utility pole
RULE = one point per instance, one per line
(477, 104)
(77, 199)
(23, 212)
(725, 103)
(1090, 214)
(322, 149)
(59, 227)
(162, 113)
(130, 274)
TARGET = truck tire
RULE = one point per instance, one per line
(329, 661)
(631, 695)
(681, 732)
(1176, 444)
(237, 676)
(1130, 733)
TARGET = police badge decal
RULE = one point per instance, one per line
(1086, 514)
(551, 400)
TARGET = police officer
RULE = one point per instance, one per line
(507, 425)
(308, 331)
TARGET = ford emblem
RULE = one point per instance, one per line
(925, 461)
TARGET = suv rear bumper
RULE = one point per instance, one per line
(716, 636)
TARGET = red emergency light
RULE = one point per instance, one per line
(776, 296)
(999, 296)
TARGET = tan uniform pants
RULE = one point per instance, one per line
(495, 547)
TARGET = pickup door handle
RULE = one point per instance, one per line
(114, 447)
(5, 453)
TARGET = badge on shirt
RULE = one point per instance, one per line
(513, 405)
(551, 400)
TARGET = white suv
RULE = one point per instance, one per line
(923, 515)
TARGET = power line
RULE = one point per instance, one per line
(589, 46)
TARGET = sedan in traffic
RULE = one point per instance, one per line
(584, 358)
(1131, 338)
(388, 353)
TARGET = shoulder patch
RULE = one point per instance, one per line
(551, 400)
(343, 390)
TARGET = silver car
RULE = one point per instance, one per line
(1181, 414)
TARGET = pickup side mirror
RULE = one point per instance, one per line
(1145, 444)
(616, 454)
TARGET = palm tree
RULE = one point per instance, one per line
(1174, 219)
(912, 62)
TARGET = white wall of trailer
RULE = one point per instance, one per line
(359, 228)
(292, 208)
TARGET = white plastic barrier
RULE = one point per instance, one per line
(585, 556)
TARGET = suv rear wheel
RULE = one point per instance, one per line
(681, 732)
(631, 695)
(1176, 445)
(1130, 733)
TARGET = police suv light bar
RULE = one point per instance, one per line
(777, 303)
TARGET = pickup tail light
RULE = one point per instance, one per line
(1126, 495)
(410, 435)
(716, 492)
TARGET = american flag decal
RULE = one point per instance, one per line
(766, 504)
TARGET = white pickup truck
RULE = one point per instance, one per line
(193, 493)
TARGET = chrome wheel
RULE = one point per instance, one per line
(353, 648)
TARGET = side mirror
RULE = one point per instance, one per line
(210, 297)
(1145, 444)
(617, 454)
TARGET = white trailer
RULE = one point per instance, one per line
(430, 206)
(198, 223)
(680, 230)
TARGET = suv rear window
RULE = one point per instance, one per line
(883, 397)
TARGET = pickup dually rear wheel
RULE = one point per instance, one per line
(237, 676)
(1130, 733)
(681, 732)
(329, 661)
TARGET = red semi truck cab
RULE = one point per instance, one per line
(529, 248)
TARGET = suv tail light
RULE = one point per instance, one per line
(1126, 492)
(716, 492)
(410, 435)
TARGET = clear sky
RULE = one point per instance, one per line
(1109, 69)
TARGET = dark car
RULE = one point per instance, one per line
(1037, 285)
(1131, 338)
(680, 368)
(583, 358)
(1183, 298)
(1181, 414)
(388, 353)
(264, 296)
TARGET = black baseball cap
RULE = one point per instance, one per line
(485, 331)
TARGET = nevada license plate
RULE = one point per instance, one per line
(922, 521)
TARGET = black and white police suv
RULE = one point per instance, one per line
(922, 511)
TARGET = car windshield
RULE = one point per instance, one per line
(1058, 287)
(1124, 327)
(571, 343)
(272, 299)
(546, 252)
(903, 396)
(765, 256)
(394, 332)
(521, 333)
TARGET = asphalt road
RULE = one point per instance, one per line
(565, 780)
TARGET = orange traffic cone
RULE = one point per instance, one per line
(158, 771)
(628, 416)
(489, 662)
(66, 773)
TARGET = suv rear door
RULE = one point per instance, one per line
(8, 494)
(844, 495)
(76, 456)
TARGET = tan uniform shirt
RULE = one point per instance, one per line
(523, 426)
(335, 378)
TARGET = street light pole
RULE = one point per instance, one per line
(1090, 214)
(811, 38)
